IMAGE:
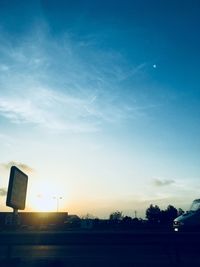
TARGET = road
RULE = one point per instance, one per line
(99, 249)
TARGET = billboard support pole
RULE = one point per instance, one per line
(14, 224)
(15, 217)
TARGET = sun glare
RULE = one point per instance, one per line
(45, 197)
(42, 203)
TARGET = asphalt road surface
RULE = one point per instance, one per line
(99, 249)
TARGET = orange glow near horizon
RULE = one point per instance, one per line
(44, 197)
(40, 203)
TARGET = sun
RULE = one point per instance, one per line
(43, 203)
(44, 197)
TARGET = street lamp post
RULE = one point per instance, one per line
(57, 201)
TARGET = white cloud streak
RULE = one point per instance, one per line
(62, 85)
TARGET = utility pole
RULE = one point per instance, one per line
(135, 213)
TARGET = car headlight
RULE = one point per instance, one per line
(178, 223)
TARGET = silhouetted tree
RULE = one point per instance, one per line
(88, 216)
(168, 215)
(127, 219)
(180, 211)
(171, 213)
(163, 217)
(116, 216)
(153, 214)
(126, 222)
(136, 221)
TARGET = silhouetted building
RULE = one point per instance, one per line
(35, 219)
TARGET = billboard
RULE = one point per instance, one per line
(16, 196)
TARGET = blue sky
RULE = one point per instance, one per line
(99, 103)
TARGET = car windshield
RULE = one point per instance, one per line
(195, 206)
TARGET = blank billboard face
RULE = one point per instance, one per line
(16, 197)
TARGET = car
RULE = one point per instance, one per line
(190, 220)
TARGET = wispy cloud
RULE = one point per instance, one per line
(3, 192)
(20, 165)
(63, 85)
(163, 182)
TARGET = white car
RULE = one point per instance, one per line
(189, 221)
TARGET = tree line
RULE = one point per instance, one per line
(155, 218)
(153, 215)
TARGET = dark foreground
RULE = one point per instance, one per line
(99, 249)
